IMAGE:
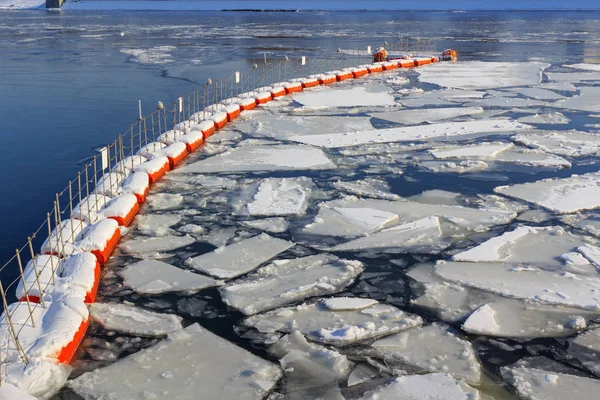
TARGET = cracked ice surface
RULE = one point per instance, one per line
(483, 75)
(239, 258)
(361, 96)
(436, 386)
(563, 143)
(134, 320)
(278, 197)
(414, 117)
(287, 281)
(337, 327)
(410, 133)
(190, 362)
(562, 196)
(261, 158)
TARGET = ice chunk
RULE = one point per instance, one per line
(40, 378)
(274, 225)
(414, 117)
(586, 348)
(510, 318)
(411, 133)
(434, 348)
(261, 158)
(555, 118)
(538, 93)
(281, 196)
(564, 143)
(154, 277)
(370, 187)
(360, 96)
(584, 66)
(287, 281)
(189, 362)
(423, 387)
(10, 392)
(421, 236)
(149, 246)
(537, 384)
(348, 303)
(165, 201)
(362, 373)
(343, 327)
(587, 100)
(370, 219)
(477, 151)
(134, 320)
(566, 195)
(483, 75)
(241, 257)
(156, 225)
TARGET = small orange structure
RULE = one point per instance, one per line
(449, 55)
(380, 55)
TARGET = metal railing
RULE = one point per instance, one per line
(39, 262)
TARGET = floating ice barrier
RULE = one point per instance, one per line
(155, 277)
(261, 158)
(287, 281)
(361, 96)
(414, 117)
(483, 75)
(564, 143)
(155, 168)
(239, 258)
(219, 369)
(411, 133)
(423, 387)
(133, 320)
(339, 321)
(562, 196)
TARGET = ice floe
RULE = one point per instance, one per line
(369, 187)
(483, 75)
(562, 196)
(273, 225)
(337, 327)
(287, 281)
(538, 93)
(190, 362)
(360, 96)
(278, 197)
(436, 386)
(411, 133)
(133, 320)
(239, 258)
(554, 118)
(587, 100)
(586, 348)
(477, 151)
(155, 277)
(152, 246)
(156, 224)
(261, 158)
(564, 143)
(414, 117)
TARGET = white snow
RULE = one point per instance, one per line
(164, 201)
(239, 258)
(348, 303)
(10, 392)
(287, 281)
(369, 187)
(156, 224)
(538, 93)
(360, 96)
(414, 117)
(587, 100)
(155, 277)
(483, 75)
(476, 151)
(411, 133)
(369, 219)
(564, 143)
(190, 362)
(434, 348)
(41, 378)
(133, 320)
(423, 387)
(261, 158)
(273, 225)
(155, 245)
(343, 327)
(554, 118)
(281, 196)
(584, 66)
(566, 195)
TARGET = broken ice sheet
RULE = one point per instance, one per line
(283, 126)
(475, 151)
(311, 370)
(434, 348)
(261, 158)
(358, 96)
(156, 277)
(145, 247)
(165, 201)
(339, 327)
(587, 100)
(414, 117)
(156, 224)
(516, 318)
(538, 93)
(562, 196)
(539, 384)
(189, 362)
(275, 197)
(287, 281)
(446, 97)
(483, 75)
(133, 320)
(565, 143)
(369, 187)
(273, 225)
(555, 118)
(586, 348)
(239, 258)
(436, 386)
(411, 133)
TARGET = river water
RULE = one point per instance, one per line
(71, 81)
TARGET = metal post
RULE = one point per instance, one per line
(35, 270)
(25, 287)
(11, 326)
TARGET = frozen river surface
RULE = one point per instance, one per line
(352, 242)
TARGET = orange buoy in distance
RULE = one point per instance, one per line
(449, 55)
(380, 55)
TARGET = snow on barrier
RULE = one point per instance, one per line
(41, 328)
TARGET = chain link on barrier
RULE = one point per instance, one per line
(80, 203)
